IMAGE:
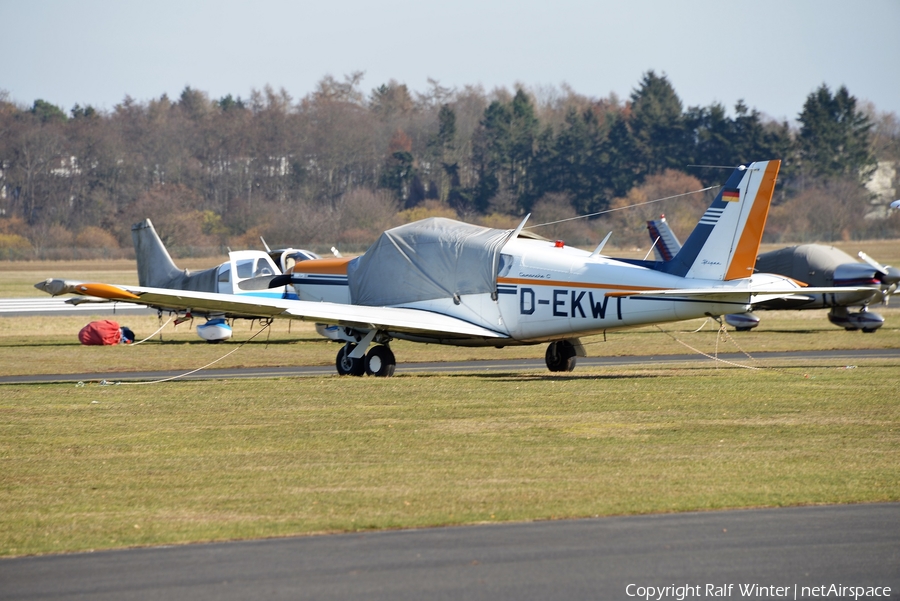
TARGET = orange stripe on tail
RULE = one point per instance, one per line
(748, 246)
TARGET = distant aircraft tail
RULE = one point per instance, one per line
(156, 268)
(665, 243)
(726, 241)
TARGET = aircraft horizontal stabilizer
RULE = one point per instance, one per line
(750, 295)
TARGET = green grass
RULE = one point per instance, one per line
(93, 467)
(110, 466)
(36, 345)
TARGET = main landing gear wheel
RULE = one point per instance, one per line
(560, 356)
(380, 362)
(347, 365)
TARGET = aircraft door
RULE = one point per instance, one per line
(534, 294)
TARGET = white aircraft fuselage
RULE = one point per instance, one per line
(546, 291)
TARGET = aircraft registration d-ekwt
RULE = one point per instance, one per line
(441, 281)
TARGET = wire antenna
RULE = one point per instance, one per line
(640, 204)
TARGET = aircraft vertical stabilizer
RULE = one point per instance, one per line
(725, 243)
(155, 265)
(665, 243)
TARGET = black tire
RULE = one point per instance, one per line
(347, 365)
(560, 356)
(380, 362)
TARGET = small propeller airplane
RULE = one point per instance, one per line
(814, 264)
(441, 281)
(247, 272)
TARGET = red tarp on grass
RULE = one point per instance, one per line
(100, 332)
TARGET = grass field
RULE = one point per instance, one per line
(110, 466)
(93, 467)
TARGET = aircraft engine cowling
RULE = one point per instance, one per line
(855, 274)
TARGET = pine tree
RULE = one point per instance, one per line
(504, 151)
(657, 125)
(834, 136)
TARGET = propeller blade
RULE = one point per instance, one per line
(280, 280)
(265, 282)
(878, 266)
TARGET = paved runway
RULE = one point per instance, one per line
(492, 366)
(50, 305)
(600, 558)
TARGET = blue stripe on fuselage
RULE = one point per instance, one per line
(274, 293)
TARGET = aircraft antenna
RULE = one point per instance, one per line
(639, 204)
(601, 245)
(652, 246)
(738, 167)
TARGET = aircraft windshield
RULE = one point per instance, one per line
(263, 268)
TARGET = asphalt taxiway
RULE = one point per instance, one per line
(716, 553)
(796, 358)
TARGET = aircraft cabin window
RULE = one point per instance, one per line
(300, 256)
(245, 269)
(225, 275)
(263, 268)
(506, 262)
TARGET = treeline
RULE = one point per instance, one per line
(340, 165)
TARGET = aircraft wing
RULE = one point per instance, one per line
(392, 319)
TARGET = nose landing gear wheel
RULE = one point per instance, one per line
(560, 356)
(347, 365)
(380, 362)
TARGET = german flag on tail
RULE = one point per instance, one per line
(731, 194)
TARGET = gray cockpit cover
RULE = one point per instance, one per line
(812, 264)
(427, 259)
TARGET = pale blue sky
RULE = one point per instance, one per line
(771, 53)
